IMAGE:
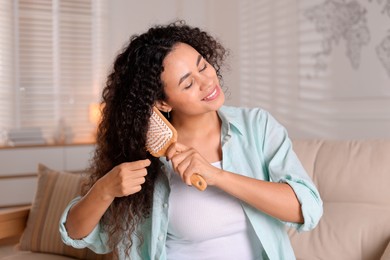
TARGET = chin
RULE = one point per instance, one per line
(219, 102)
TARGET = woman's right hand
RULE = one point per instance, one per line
(124, 179)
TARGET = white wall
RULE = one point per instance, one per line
(301, 70)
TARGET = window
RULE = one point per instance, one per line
(51, 69)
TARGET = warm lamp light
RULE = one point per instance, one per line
(95, 113)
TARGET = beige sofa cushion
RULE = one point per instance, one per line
(353, 179)
(386, 254)
(54, 192)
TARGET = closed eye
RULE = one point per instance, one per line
(189, 85)
(204, 67)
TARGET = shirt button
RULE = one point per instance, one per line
(165, 205)
(160, 237)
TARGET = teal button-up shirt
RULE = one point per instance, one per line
(254, 144)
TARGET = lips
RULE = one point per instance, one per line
(213, 94)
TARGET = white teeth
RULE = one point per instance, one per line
(211, 95)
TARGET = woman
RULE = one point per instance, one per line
(145, 208)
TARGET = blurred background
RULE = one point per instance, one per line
(322, 68)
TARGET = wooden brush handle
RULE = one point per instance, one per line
(198, 182)
(161, 134)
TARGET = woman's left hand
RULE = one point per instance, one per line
(186, 161)
(273, 198)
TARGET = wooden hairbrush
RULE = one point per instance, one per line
(161, 134)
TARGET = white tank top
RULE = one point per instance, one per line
(208, 225)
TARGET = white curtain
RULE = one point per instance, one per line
(52, 55)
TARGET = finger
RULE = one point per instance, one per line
(137, 181)
(136, 173)
(175, 148)
(126, 173)
(171, 151)
(181, 164)
(134, 190)
(181, 161)
(191, 169)
(136, 165)
(179, 156)
(180, 169)
(132, 186)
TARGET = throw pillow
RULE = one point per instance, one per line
(386, 254)
(54, 191)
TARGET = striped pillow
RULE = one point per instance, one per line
(54, 191)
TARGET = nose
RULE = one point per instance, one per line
(206, 82)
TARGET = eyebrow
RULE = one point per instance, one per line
(189, 73)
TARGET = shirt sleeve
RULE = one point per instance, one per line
(96, 240)
(284, 166)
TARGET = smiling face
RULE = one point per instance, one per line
(190, 83)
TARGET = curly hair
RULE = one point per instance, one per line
(132, 87)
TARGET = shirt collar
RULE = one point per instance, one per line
(230, 117)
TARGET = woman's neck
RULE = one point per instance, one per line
(197, 126)
(202, 133)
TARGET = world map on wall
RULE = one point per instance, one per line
(346, 22)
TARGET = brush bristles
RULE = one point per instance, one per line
(160, 134)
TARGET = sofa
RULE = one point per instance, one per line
(353, 177)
